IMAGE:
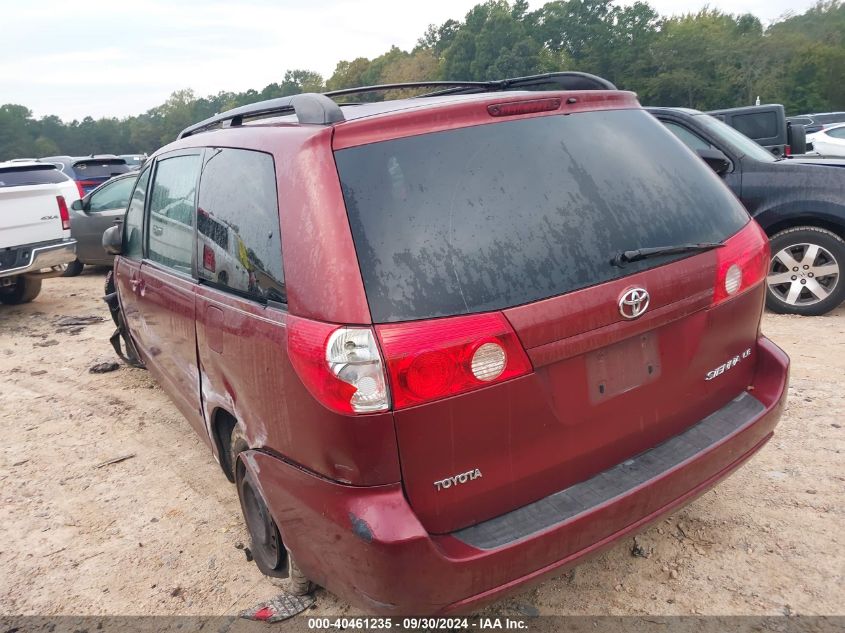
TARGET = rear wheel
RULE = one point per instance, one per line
(24, 291)
(268, 551)
(805, 273)
(73, 269)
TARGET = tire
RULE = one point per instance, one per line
(268, 551)
(74, 269)
(806, 272)
(270, 554)
(298, 583)
(24, 291)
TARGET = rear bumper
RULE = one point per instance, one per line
(42, 260)
(366, 545)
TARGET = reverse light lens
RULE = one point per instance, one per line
(353, 356)
(733, 279)
(488, 362)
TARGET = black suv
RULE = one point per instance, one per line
(797, 201)
(89, 172)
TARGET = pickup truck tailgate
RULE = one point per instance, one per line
(30, 214)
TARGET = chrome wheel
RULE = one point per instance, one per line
(803, 274)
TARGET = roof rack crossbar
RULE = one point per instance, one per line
(310, 108)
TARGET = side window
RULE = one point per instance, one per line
(689, 138)
(837, 132)
(172, 205)
(238, 242)
(134, 222)
(112, 196)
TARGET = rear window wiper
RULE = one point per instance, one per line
(626, 257)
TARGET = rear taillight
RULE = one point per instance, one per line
(80, 189)
(340, 366)
(63, 213)
(430, 360)
(742, 262)
(86, 184)
(787, 150)
(209, 261)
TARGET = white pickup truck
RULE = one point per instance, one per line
(35, 240)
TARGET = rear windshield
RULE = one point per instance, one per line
(86, 169)
(30, 175)
(757, 125)
(493, 216)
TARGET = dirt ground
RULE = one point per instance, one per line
(161, 531)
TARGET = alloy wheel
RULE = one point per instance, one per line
(803, 274)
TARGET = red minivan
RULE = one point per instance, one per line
(448, 345)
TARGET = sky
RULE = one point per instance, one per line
(105, 58)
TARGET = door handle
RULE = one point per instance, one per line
(137, 285)
(157, 230)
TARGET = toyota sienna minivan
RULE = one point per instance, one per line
(474, 337)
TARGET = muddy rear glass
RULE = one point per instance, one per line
(30, 175)
(493, 216)
(99, 169)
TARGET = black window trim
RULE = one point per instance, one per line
(145, 259)
(262, 301)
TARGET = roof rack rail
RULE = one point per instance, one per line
(568, 80)
(482, 85)
(565, 80)
(310, 108)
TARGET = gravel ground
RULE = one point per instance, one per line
(161, 532)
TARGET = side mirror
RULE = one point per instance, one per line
(113, 239)
(716, 159)
(77, 205)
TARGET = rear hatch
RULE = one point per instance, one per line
(29, 210)
(92, 172)
(518, 221)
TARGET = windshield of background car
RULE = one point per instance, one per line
(30, 175)
(493, 216)
(738, 140)
(86, 169)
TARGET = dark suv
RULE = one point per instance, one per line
(89, 172)
(463, 340)
(798, 201)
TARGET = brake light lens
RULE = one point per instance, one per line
(431, 360)
(340, 366)
(209, 261)
(80, 189)
(742, 262)
(86, 184)
(63, 213)
(513, 108)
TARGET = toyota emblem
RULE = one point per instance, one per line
(633, 303)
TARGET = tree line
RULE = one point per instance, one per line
(703, 60)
